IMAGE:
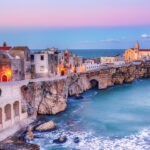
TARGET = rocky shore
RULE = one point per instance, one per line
(50, 97)
(18, 142)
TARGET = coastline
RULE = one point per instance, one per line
(74, 85)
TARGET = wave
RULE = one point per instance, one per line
(88, 141)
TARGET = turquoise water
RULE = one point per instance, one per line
(113, 119)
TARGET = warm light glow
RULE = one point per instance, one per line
(72, 69)
(82, 68)
(7, 72)
(62, 70)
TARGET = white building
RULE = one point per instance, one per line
(107, 60)
(119, 62)
(12, 115)
(40, 64)
(50, 50)
(93, 66)
(89, 65)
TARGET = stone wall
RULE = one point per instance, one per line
(50, 97)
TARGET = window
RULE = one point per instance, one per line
(42, 57)
(42, 68)
(32, 57)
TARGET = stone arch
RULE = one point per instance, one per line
(62, 73)
(7, 112)
(94, 80)
(16, 108)
(0, 115)
(24, 88)
(94, 83)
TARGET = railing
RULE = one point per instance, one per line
(102, 67)
(32, 80)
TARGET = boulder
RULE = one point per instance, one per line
(30, 128)
(60, 140)
(50, 125)
(76, 140)
(29, 136)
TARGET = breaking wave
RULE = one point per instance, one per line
(88, 141)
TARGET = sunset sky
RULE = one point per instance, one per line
(75, 24)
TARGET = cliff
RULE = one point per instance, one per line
(50, 97)
(47, 97)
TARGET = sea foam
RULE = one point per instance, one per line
(88, 141)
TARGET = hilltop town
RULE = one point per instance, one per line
(39, 82)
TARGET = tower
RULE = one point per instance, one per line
(4, 44)
(137, 47)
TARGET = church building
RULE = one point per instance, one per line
(136, 53)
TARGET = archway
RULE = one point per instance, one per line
(16, 108)
(4, 78)
(7, 112)
(62, 73)
(94, 83)
(0, 115)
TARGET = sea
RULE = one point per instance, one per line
(117, 118)
(96, 53)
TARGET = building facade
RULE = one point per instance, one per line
(44, 63)
(136, 53)
(68, 63)
(10, 67)
(23, 52)
(88, 65)
(107, 60)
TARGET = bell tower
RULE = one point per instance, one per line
(137, 47)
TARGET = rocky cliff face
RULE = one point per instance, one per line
(128, 74)
(77, 84)
(50, 97)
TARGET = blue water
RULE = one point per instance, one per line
(96, 53)
(113, 119)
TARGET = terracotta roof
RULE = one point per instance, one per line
(20, 48)
(5, 48)
(141, 49)
(147, 50)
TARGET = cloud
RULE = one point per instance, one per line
(87, 42)
(145, 36)
(110, 41)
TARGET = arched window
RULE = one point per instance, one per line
(8, 112)
(0, 115)
(62, 73)
(16, 108)
(4, 78)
